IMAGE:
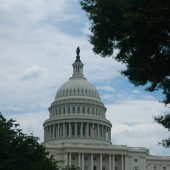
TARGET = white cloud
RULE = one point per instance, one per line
(133, 124)
(34, 72)
(31, 123)
(106, 88)
(136, 91)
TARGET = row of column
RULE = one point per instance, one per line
(77, 110)
(81, 161)
(77, 129)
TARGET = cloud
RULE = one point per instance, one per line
(34, 72)
(106, 88)
(31, 123)
(133, 124)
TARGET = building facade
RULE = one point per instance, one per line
(78, 133)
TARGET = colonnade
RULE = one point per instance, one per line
(77, 110)
(92, 165)
(77, 130)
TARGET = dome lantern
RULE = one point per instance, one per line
(78, 65)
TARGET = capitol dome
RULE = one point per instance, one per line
(77, 86)
(77, 112)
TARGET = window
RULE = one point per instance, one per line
(88, 111)
(83, 110)
(164, 168)
(135, 160)
(78, 109)
(78, 129)
(116, 168)
(73, 109)
(86, 158)
(103, 168)
(68, 110)
(154, 167)
(92, 111)
(135, 168)
(94, 158)
(73, 130)
(67, 131)
(94, 168)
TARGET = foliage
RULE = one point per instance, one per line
(165, 121)
(21, 151)
(139, 31)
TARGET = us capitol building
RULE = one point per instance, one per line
(78, 133)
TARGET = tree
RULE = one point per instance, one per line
(22, 151)
(140, 32)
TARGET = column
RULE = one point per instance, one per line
(102, 132)
(82, 167)
(122, 164)
(113, 162)
(93, 130)
(110, 165)
(100, 162)
(54, 131)
(81, 130)
(51, 130)
(58, 130)
(91, 162)
(87, 130)
(79, 161)
(109, 134)
(70, 158)
(64, 133)
(98, 131)
(48, 132)
(125, 162)
(69, 129)
(75, 129)
(65, 159)
(44, 134)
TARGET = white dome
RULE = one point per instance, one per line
(77, 86)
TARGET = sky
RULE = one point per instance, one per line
(38, 41)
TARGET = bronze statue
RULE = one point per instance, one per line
(78, 51)
(78, 54)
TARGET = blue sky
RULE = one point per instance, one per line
(38, 40)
